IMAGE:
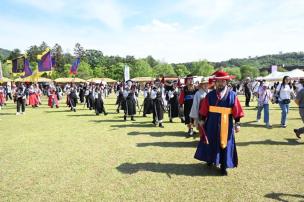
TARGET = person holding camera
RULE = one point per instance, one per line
(283, 93)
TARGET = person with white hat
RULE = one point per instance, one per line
(199, 95)
(264, 96)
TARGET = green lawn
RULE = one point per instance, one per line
(58, 155)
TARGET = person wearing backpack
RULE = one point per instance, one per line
(284, 92)
(264, 96)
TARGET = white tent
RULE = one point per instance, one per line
(294, 74)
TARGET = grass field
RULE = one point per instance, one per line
(58, 155)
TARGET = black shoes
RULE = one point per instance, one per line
(171, 121)
(160, 125)
(296, 131)
(125, 118)
(132, 118)
(105, 113)
(224, 171)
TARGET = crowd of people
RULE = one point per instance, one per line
(210, 107)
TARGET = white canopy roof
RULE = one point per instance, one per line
(294, 74)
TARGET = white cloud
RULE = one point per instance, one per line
(108, 12)
(280, 29)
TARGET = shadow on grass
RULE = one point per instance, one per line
(197, 169)
(255, 124)
(106, 121)
(132, 125)
(7, 113)
(169, 144)
(81, 115)
(55, 111)
(159, 134)
(290, 142)
(279, 196)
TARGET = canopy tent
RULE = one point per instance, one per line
(275, 76)
(29, 79)
(96, 80)
(4, 80)
(142, 79)
(108, 80)
(101, 80)
(22, 79)
(69, 80)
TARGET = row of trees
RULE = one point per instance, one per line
(95, 64)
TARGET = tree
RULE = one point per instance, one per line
(79, 51)
(235, 71)
(32, 53)
(151, 61)
(59, 58)
(130, 60)
(264, 73)
(181, 70)
(68, 58)
(84, 70)
(141, 68)
(163, 69)
(115, 71)
(202, 68)
(94, 58)
(6, 70)
(43, 46)
(281, 69)
(99, 72)
(249, 71)
(14, 54)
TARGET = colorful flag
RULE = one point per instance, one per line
(1, 72)
(127, 73)
(27, 69)
(18, 65)
(74, 67)
(46, 63)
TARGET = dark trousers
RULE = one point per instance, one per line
(8, 95)
(20, 104)
(248, 96)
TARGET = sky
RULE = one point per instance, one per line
(171, 31)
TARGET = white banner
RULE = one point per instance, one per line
(274, 68)
(127, 73)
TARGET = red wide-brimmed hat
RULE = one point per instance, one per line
(221, 75)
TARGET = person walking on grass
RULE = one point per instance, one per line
(284, 93)
(264, 96)
(300, 102)
(220, 108)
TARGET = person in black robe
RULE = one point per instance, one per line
(186, 100)
(120, 99)
(158, 104)
(172, 99)
(129, 101)
(81, 93)
(247, 91)
(99, 104)
(90, 97)
(20, 99)
(72, 95)
(148, 103)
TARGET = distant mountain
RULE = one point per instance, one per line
(4, 53)
(284, 59)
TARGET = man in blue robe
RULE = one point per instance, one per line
(217, 112)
